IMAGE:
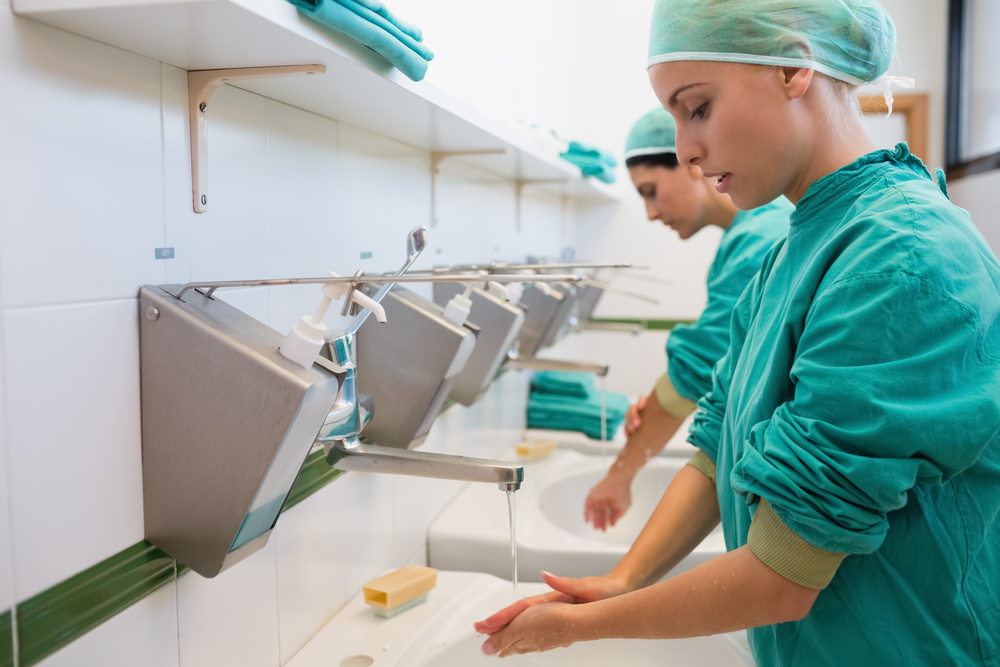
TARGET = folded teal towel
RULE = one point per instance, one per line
(591, 160)
(572, 413)
(565, 383)
(579, 149)
(369, 22)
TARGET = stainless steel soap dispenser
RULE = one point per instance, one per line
(499, 324)
(410, 364)
(227, 423)
(541, 303)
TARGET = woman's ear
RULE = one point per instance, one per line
(795, 81)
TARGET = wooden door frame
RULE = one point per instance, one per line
(914, 108)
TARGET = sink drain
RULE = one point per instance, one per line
(357, 661)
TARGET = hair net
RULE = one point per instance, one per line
(653, 134)
(850, 40)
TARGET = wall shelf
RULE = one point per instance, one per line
(359, 87)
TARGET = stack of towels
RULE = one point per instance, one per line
(372, 24)
(566, 401)
(591, 160)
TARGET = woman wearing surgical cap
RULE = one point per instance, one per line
(850, 443)
(683, 199)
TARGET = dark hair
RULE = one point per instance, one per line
(668, 160)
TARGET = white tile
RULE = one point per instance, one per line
(144, 635)
(367, 529)
(81, 186)
(229, 241)
(74, 438)
(417, 501)
(232, 619)
(386, 193)
(311, 570)
(304, 193)
(254, 301)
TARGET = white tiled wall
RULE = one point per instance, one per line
(95, 174)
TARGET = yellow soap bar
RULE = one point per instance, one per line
(536, 449)
(399, 587)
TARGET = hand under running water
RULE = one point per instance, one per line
(545, 622)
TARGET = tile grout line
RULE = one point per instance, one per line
(10, 500)
(163, 167)
(68, 304)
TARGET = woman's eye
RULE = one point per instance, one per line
(700, 111)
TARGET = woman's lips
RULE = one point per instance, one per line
(723, 182)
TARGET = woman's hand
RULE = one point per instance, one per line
(566, 592)
(633, 418)
(539, 628)
(608, 501)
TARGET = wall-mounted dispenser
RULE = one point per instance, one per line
(227, 422)
(499, 324)
(560, 323)
(231, 409)
(541, 304)
(410, 365)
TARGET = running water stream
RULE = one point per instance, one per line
(513, 542)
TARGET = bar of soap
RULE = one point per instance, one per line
(400, 590)
(536, 449)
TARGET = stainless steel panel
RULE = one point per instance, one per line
(540, 310)
(560, 323)
(589, 296)
(499, 323)
(218, 401)
(402, 364)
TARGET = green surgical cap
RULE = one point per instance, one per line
(850, 40)
(653, 134)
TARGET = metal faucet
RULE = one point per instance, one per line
(352, 411)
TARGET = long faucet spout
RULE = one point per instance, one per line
(519, 363)
(352, 455)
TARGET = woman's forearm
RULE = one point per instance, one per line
(657, 428)
(687, 513)
(732, 592)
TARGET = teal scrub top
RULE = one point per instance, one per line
(861, 399)
(692, 350)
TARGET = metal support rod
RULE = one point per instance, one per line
(536, 364)
(437, 157)
(497, 266)
(212, 286)
(201, 85)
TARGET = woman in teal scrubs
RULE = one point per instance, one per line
(687, 202)
(850, 444)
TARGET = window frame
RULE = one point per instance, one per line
(956, 168)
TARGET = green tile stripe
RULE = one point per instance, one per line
(315, 474)
(6, 640)
(58, 616)
(54, 618)
(652, 324)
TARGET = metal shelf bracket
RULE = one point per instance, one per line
(201, 85)
(437, 157)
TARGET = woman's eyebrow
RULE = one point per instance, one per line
(673, 98)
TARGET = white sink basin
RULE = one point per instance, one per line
(676, 447)
(473, 532)
(439, 633)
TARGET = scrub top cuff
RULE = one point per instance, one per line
(671, 401)
(778, 547)
(704, 465)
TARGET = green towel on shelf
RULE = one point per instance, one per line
(591, 160)
(369, 22)
(573, 413)
(565, 383)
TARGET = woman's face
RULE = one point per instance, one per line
(737, 123)
(675, 197)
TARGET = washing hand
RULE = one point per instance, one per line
(633, 419)
(608, 501)
(548, 621)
